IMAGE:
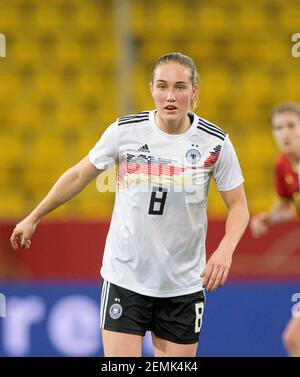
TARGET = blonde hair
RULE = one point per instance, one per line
(285, 107)
(177, 57)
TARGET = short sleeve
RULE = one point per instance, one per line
(227, 172)
(279, 181)
(105, 152)
(284, 171)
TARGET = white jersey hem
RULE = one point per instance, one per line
(154, 293)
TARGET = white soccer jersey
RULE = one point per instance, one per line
(156, 242)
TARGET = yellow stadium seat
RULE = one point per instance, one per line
(11, 205)
(59, 85)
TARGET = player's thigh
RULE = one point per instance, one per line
(165, 348)
(117, 344)
(125, 316)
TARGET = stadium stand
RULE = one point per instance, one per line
(59, 87)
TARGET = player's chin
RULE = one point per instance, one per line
(172, 114)
(286, 148)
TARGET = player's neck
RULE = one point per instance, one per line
(175, 127)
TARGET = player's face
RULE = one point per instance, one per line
(172, 91)
(286, 131)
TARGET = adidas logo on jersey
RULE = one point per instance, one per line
(144, 148)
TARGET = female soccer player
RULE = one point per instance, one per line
(285, 120)
(154, 267)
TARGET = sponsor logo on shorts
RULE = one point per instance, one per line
(115, 311)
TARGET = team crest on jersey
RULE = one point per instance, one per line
(289, 179)
(193, 156)
(115, 311)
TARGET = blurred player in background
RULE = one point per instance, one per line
(154, 265)
(285, 121)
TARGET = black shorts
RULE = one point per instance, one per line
(177, 319)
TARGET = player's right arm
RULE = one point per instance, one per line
(73, 181)
(281, 212)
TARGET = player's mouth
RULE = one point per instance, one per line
(171, 108)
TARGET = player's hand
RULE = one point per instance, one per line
(216, 270)
(259, 225)
(22, 233)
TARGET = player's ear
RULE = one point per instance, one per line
(151, 87)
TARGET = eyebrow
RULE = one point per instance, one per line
(177, 82)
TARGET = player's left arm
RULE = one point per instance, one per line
(217, 267)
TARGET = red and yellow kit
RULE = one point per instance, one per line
(287, 179)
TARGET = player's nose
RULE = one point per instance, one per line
(170, 95)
